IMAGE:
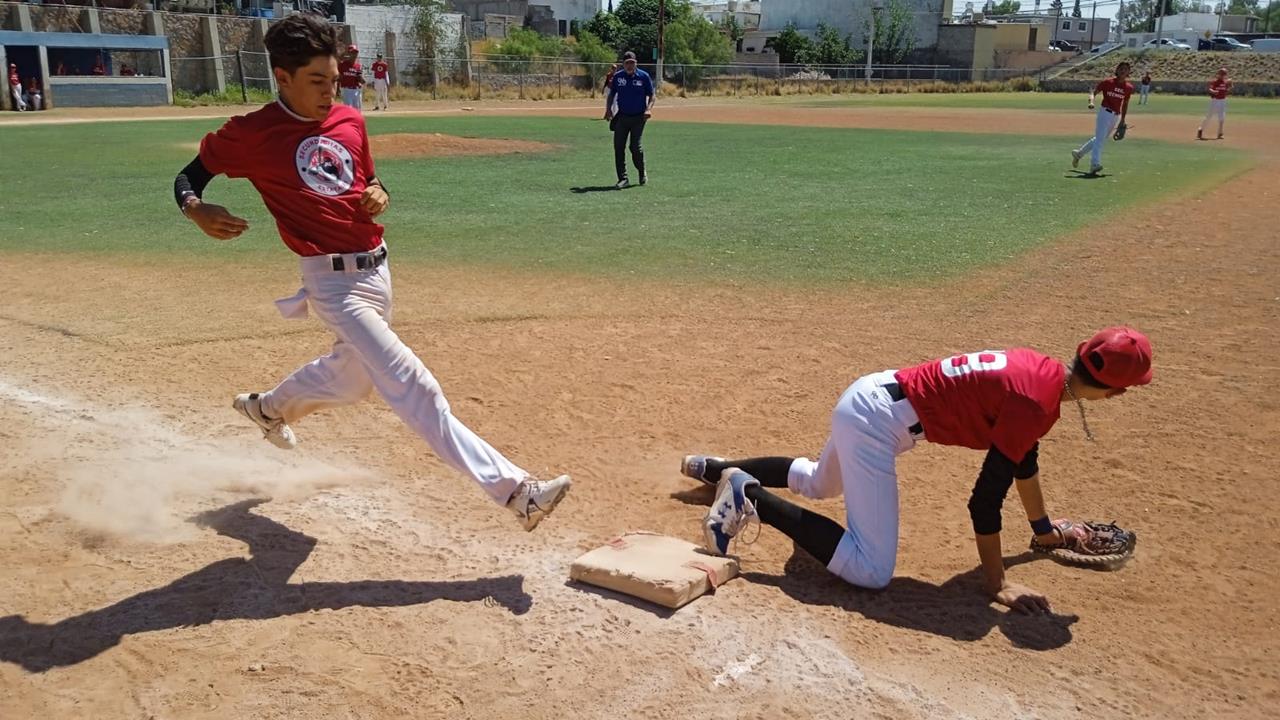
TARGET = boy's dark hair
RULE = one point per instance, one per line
(1124, 65)
(294, 41)
(1080, 368)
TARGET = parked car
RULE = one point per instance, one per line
(1064, 46)
(1266, 45)
(1167, 44)
(1227, 43)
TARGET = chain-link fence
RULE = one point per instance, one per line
(481, 76)
(495, 76)
(243, 72)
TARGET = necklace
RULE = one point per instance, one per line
(1066, 384)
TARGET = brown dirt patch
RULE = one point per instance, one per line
(415, 145)
(411, 596)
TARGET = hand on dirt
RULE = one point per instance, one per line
(216, 222)
(374, 200)
(1023, 599)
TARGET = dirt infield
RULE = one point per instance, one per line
(378, 584)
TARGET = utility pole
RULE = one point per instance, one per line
(1159, 21)
(1093, 24)
(871, 37)
(662, 6)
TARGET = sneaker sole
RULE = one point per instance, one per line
(276, 439)
(688, 472)
(533, 519)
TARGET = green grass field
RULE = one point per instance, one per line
(779, 204)
(1160, 104)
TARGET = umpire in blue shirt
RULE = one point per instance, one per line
(632, 90)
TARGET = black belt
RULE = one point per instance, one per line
(364, 261)
(895, 394)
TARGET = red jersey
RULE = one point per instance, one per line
(1218, 89)
(352, 75)
(1003, 398)
(379, 70)
(310, 174)
(1115, 94)
(14, 79)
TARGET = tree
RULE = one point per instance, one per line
(1075, 11)
(1244, 7)
(1056, 7)
(522, 46)
(607, 27)
(592, 51)
(830, 49)
(895, 32)
(426, 32)
(694, 42)
(1136, 16)
(731, 28)
(1006, 7)
(789, 44)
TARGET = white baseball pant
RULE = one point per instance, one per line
(868, 432)
(380, 88)
(1219, 108)
(353, 97)
(18, 103)
(1103, 125)
(356, 305)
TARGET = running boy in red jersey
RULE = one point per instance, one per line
(1115, 93)
(1219, 88)
(309, 159)
(999, 401)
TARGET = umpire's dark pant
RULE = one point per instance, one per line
(624, 126)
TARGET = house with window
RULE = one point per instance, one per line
(1082, 31)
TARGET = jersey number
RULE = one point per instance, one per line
(985, 361)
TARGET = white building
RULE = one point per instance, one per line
(1191, 27)
(849, 17)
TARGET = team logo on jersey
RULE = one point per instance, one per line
(324, 165)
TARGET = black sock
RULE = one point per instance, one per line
(819, 535)
(770, 471)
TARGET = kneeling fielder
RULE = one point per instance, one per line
(1001, 401)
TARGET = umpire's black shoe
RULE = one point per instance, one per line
(644, 178)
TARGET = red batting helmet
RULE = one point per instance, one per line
(1117, 357)
(353, 49)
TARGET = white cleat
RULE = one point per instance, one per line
(1075, 158)
(276, 431)
(623, 184)
(535, 499)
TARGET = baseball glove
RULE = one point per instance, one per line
(1089, 544)
(1121, 129)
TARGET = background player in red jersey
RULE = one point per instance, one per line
(351, 77)
(1219, 88)
(1000, 401)
(309, 159)
(381, 82)
(1115, 93)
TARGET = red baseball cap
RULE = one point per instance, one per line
(352, 48)
(1117, 357)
